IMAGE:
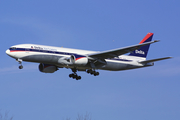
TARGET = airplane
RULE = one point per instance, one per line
(52, 58)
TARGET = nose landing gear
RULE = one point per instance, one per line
(20, 67)
(20, 62)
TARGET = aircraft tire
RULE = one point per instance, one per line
(78, 77)
(20, 67)
(70, 75)
(97, 73)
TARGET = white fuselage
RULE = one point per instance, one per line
(60, 57)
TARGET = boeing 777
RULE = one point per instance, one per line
(52, 58)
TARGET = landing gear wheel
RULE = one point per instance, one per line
(70, 75)
(78, 77)
(92, 72)
(20, 67)
(74, 76)
(97, 73)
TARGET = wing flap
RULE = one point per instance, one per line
(154, 60)
(119, 51)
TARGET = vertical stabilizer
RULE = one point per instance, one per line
(143, 51)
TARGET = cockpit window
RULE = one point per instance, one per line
(13, 48)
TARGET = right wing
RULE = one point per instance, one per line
(119, 51)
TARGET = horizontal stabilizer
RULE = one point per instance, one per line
(154, 60)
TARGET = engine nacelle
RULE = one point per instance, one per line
(80, 61)
(46, 68)
(74, 60)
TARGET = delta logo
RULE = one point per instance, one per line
(140, 52)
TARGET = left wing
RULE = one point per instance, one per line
(119, 51)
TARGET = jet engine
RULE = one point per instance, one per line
(80, 61)
(73, 60)
(47, 68)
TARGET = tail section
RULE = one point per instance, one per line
(143, 51)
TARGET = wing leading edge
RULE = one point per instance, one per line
(120, 51)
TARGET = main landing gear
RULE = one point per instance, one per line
(20, 62)
(92, 72)
(74, 75)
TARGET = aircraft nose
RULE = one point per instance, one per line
(7, 51)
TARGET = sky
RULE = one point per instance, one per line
(141, 94)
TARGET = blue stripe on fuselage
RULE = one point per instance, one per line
(44, 51)
(56, 52)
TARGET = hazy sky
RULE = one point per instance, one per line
(141, 94)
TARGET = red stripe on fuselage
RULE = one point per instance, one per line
(146, 37)
(16, 50)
